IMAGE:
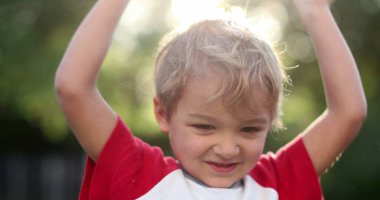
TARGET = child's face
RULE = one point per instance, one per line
(216, 146)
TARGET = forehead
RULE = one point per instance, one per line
(209, 92)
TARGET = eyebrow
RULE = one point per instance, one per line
(200, 116)
(258, 120)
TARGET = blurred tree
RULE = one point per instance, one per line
(33, 37)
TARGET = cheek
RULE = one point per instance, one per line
(181, 142)
(187, 146)
(254, 149)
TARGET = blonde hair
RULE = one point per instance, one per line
(231, 48)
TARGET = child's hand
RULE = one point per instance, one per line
(309, 9)
(308, 3)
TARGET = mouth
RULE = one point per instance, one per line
(223, 168)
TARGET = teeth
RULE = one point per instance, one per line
(222, 165)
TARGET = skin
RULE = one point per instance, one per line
(346, 107)
(92, 119)
(214, 145)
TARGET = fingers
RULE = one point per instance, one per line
(312, 2)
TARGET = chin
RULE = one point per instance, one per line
(218, 183)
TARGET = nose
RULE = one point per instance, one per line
(226, 148)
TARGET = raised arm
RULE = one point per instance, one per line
(89, 116)
(346, 108)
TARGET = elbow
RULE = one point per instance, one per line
(352, 114)
(360, 110)
(361, 114)
(357, 114)
(63, 88)
(67, 89)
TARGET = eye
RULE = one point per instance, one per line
(204, 127)
(251, 129)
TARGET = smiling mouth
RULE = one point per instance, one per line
(223, 168)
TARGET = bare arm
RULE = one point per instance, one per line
(89, 116)
(346, 108)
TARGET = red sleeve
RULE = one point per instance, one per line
(290, 172)
(126, 169)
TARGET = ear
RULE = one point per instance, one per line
(159, 112)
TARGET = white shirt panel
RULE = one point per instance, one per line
(175, 186)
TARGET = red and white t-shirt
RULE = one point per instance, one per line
(130, 169)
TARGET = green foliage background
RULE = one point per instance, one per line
(35, 33)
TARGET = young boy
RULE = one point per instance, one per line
(218, 92)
